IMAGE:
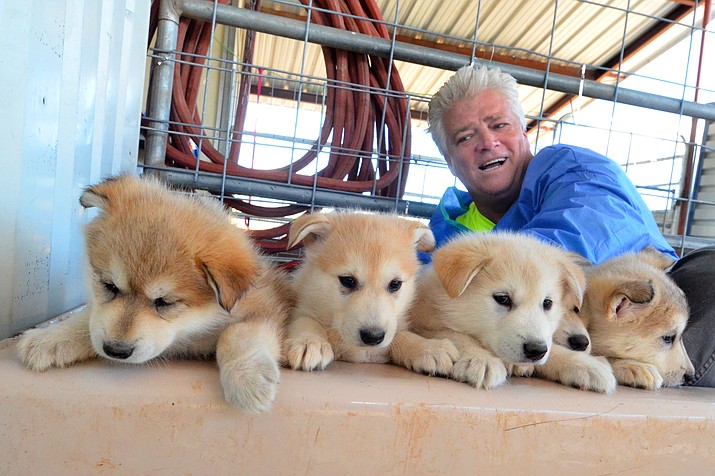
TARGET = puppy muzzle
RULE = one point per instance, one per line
(535, 350)
(118, 350)
(372, 335)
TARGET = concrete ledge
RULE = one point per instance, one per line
(170, 418)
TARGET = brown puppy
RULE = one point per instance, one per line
(500, 297)
(635, 315)
(353, 292)
(167, 275)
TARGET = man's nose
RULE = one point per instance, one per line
(488, 140)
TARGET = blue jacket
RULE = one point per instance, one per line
(573, 197)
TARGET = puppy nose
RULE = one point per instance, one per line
(689, 379)
(118, 350)
(578, 342)
(372, 336)
(535, 350)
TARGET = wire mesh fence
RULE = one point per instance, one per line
(278, 107)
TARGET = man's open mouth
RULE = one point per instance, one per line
(493, 164)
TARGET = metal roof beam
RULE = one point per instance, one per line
(336, 38)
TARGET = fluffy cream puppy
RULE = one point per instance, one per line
(353, 292)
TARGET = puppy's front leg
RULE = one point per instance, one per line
(419, 354)
(57, 345)
(476, 365)
(247, 354)
(636, 374)
(578, 369)
(248, 351)
(307, 346)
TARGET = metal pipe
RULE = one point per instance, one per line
(162, 81)
(359, 43)
(293, 193)
(687, 190)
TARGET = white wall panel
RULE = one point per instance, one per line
(73, 75)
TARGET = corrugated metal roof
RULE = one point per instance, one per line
(564, 34)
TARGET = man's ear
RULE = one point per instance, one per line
(457, 265)
(624, 296)
(229, 270)
(309, 229)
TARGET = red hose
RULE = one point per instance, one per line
(353, 116)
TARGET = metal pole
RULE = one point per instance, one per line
(359, 43)
(161, 84)
(294, 193)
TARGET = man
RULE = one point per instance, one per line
(566, 195)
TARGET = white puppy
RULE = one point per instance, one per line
(500, 297)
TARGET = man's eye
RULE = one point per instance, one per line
(462, 139)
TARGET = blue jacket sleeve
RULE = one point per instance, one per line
(586, 204)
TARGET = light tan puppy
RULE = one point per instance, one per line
(500, 297)
(635, 315)
(353, 292)
(169, 276)
(571, 362)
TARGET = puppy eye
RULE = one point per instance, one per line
(111, 288)
(394, 285)
(669, 339)
(348, 282)
(161, 303)
(502, 300)
(547, 304)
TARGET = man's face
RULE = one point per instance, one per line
(487, 149)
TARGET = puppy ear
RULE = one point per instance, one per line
(655, 258)
(623, 297)
(456, 265)
(424, 239)
(103, 194)
(573, 281)
(229, 270)
(309, 228)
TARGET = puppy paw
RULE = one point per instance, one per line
(638, 374)
(480, 371)
(250, 384)
(307, 354)
(592, 374)
(42, 348)
(436, 357)
(520, 370)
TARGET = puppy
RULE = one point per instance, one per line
(635, 315)
(571, 362)
(353, 291)
(169, 276)
(500, 297)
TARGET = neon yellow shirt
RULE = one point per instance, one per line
(474, 220)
